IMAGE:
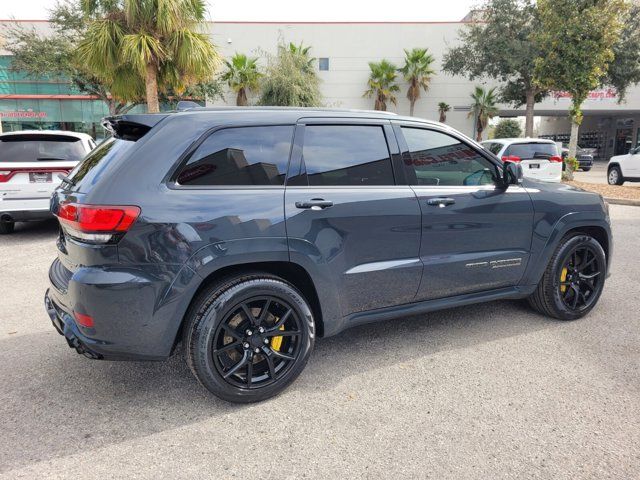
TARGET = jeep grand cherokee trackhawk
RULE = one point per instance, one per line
(247, 233)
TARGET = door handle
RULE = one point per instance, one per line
(315, 204)
(440, 202)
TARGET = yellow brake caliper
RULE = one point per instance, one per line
(563, 278)
(276, 342)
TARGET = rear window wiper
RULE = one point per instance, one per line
(52, 159)
(66, 179)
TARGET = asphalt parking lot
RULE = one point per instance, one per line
(488, 391)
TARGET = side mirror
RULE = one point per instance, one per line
(512, 173)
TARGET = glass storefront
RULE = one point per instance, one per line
(26, 104)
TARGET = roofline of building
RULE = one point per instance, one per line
(34, 96)
(281, 22)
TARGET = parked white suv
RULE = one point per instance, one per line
(540, 158)
(624, 168)
(30, 162)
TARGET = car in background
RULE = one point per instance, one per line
(540, 158)
(584, 157)
(30, 163)
(624, 168)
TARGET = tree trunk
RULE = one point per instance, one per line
(531, 101)
(112, 105)
(412, 106)
(479, 136)
(573, 141)
(151, 85)
(241, 99)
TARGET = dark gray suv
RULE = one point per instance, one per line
(247, 233)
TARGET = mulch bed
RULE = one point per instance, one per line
(609, 191)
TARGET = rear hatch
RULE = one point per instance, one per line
(539, 160)
(30, 165)
(90, 232)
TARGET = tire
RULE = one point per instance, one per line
(550, 299)
(586, 169)
(614, 176)
(6, 227)
(218, 321)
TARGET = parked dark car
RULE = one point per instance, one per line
(585, 159)
(247, 233)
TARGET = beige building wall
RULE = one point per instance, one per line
(349, 47)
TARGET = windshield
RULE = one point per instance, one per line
(532, 150)
(40, 148)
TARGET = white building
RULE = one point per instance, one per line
(343, 51)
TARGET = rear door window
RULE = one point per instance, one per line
(528, 151)
(40, 148)
(240, 156)
(354, 155)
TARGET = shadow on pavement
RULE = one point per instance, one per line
(91, 404)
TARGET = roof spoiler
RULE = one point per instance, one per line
(131, 126)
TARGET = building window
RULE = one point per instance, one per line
(323, 63)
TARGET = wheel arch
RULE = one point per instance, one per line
(293, 273)
(573, 223)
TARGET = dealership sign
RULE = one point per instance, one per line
(596, 95)
(23, 114)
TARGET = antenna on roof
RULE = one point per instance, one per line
(186, 105)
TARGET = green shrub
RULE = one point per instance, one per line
(507, 128)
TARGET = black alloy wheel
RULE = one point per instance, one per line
(257, 342)
(573, 280)
(248, 337)
(580, 278)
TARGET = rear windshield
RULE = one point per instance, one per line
(40, 148)
(532, 150)
(89, 170)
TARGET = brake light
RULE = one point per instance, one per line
(6, 175)
(84, 320)
(96, 223)
(511, 158)
(555, 158)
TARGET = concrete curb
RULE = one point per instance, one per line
(622, 201)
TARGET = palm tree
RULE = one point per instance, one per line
(443, 108)
(304, 52)
(382, 84)
(483, 108)
(417, 72)
(242, 75)
(156, 43)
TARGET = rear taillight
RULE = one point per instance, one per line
(511, 158)
(84, 320)
(96, 223)
(6, 175)
(555, 158)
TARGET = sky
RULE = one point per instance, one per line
(292, 10)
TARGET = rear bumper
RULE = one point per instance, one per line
(65, 326)
(24, 209)
(131, 319)
(25, 215)
(585, 161)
